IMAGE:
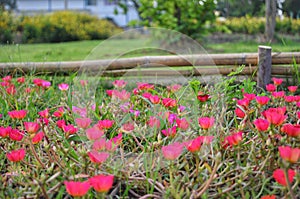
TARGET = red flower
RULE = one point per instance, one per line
(105, 124)
(83, 122)
(234, 139)
(243, 102)
(292, 89)
(239, 113)
(17, 114)
(262, 100)
(298, 114)
(16, 135)
(193, 145)
(127, 127)
(144, 86)
(169, 102)
(261, 124)
(202, 97)
(172, 151)
(169, 131)
(94, 133)
(278, 175)
(289, 154)
(291, 130)
(38, 137)
(77, 189)
(277, 81)
(21, 80)
(206, 122)
(289, 98)
(271, 87)
(147, 95)
(268, 197)
(11, 90)
(102, 183)
(7, 78)
(59, 113)
(98, 157)
(206, 139)
(60, 123)
(249, 96)
(16, 155)
(173, 88)
(31, 127)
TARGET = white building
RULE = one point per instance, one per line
(100, 8)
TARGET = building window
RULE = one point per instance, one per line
(91, 2)
(110, 2)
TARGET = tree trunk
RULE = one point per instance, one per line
(270, 19)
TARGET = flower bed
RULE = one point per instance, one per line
(148, 141)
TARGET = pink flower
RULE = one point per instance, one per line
(83, 122)
(234, 139)
(298, 114)
(60, 123)
(119, 84)
(292, 89)
(206, 122)
(206, 139)
(147, 95)
(261, 124)
(144, 86)
(243, 102)
(16, 134)
(7, 78)
(249, 96)
(291, 130)
(99, 144)
(105, 124)
(44, 113)
(117, 139)
(11, 90)
(109, 92)
(279, 176)
(289, 154)
(16, 155)
(153, 122)
(182, 123)
(69, 129)
(80, 111)
(169, 102)
(17, 114)
(154, 99)
(59, 113)
(174, 88)
(262, 100)
(289, 98)
(4, 131)
(279, 94)
(63, 86)
(127, 127)
(98, 157)
(31, 127)
(277, 81)
(172, 151)
(102, 183)
(21, 80)
(169, 131)
(271, 87)
(94, 133)
(275, 116)
(38, 137)
(83, 82)
(77, 189)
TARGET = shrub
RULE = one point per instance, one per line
(6, 27)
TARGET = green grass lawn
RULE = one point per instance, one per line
(81, 50)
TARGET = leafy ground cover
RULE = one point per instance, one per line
(79, 50)
(63, 137)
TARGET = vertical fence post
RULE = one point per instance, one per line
(264, 66)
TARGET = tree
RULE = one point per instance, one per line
(11, 4)
(292, 7)
(270, 19)
(186, 16)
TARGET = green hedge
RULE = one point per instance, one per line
(56, 27)
(253, 25)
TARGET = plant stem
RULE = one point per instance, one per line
(288, 183)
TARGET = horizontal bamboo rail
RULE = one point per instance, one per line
(248, 59)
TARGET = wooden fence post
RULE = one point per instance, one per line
(264, 66)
